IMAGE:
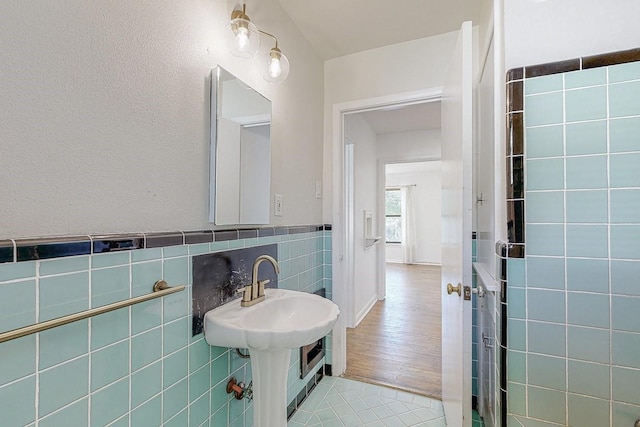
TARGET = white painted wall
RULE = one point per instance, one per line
(546, 31)
(104, 119)
(366, 198)
(405, 67)
(409, 146)
(427, 195)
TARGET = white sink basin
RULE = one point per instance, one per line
(270, 329)
(285, 319)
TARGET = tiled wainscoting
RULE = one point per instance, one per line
(474, 330)
(573, 301)
(139, 365)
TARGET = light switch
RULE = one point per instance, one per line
(277, 205)
(318, 189)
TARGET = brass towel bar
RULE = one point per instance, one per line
(160, 289)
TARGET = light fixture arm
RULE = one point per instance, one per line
(235, 14)
(270, 35)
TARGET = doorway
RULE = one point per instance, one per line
(398, 343)
(394, 329)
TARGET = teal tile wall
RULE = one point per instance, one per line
(574, 342)
(139, 365)
(474, 322)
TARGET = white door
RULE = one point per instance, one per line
(456, 232)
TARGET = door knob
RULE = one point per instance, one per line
(457, 289)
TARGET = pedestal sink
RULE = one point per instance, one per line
(284, 320)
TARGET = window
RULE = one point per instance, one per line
(393, 214)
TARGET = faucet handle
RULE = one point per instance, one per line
(261, 284)
(246, 292)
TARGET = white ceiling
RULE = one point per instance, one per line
(341, 27)
(409, 118)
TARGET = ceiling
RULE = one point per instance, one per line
(337, 27)
(408, 118)
(341, 27)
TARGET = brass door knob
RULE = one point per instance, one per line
(457, 289)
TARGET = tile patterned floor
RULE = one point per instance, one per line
(339, 402)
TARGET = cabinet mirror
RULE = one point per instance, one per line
(240, 172)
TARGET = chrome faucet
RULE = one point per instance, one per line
(254, 293)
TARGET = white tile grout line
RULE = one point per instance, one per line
(37, 396)
(609, 251)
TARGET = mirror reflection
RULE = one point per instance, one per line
(240, 152)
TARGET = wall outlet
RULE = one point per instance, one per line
(318, 189)
(277, 205)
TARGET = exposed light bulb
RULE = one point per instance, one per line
(275, 68)
(242, 38)
(245, 36)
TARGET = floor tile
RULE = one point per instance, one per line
(346, 403)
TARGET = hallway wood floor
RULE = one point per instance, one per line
(398, 343)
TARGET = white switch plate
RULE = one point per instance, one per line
(318, 189)
(277, 205)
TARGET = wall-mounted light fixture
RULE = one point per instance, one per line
(246, 43)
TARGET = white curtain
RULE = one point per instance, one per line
(409, 244)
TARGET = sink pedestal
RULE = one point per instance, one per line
(269, 370)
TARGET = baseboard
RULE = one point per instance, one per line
(361, 315)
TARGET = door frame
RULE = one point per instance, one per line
(342, 290)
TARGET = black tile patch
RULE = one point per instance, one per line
(33, 249)
(515, 134)
(515, 177)
(515, 221)
(552, 68)
(281, 231)
(249, 233)
(221, 236)
(116, 243)
(518, 177)
(291, 408)
(515, 74)
(514, 96)
(6, 251)
(474, 235)
(516, 251)
(217, 276)
(296, 230)
(193, 237)
(266, 232)
(611, 58)
(157, 240)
